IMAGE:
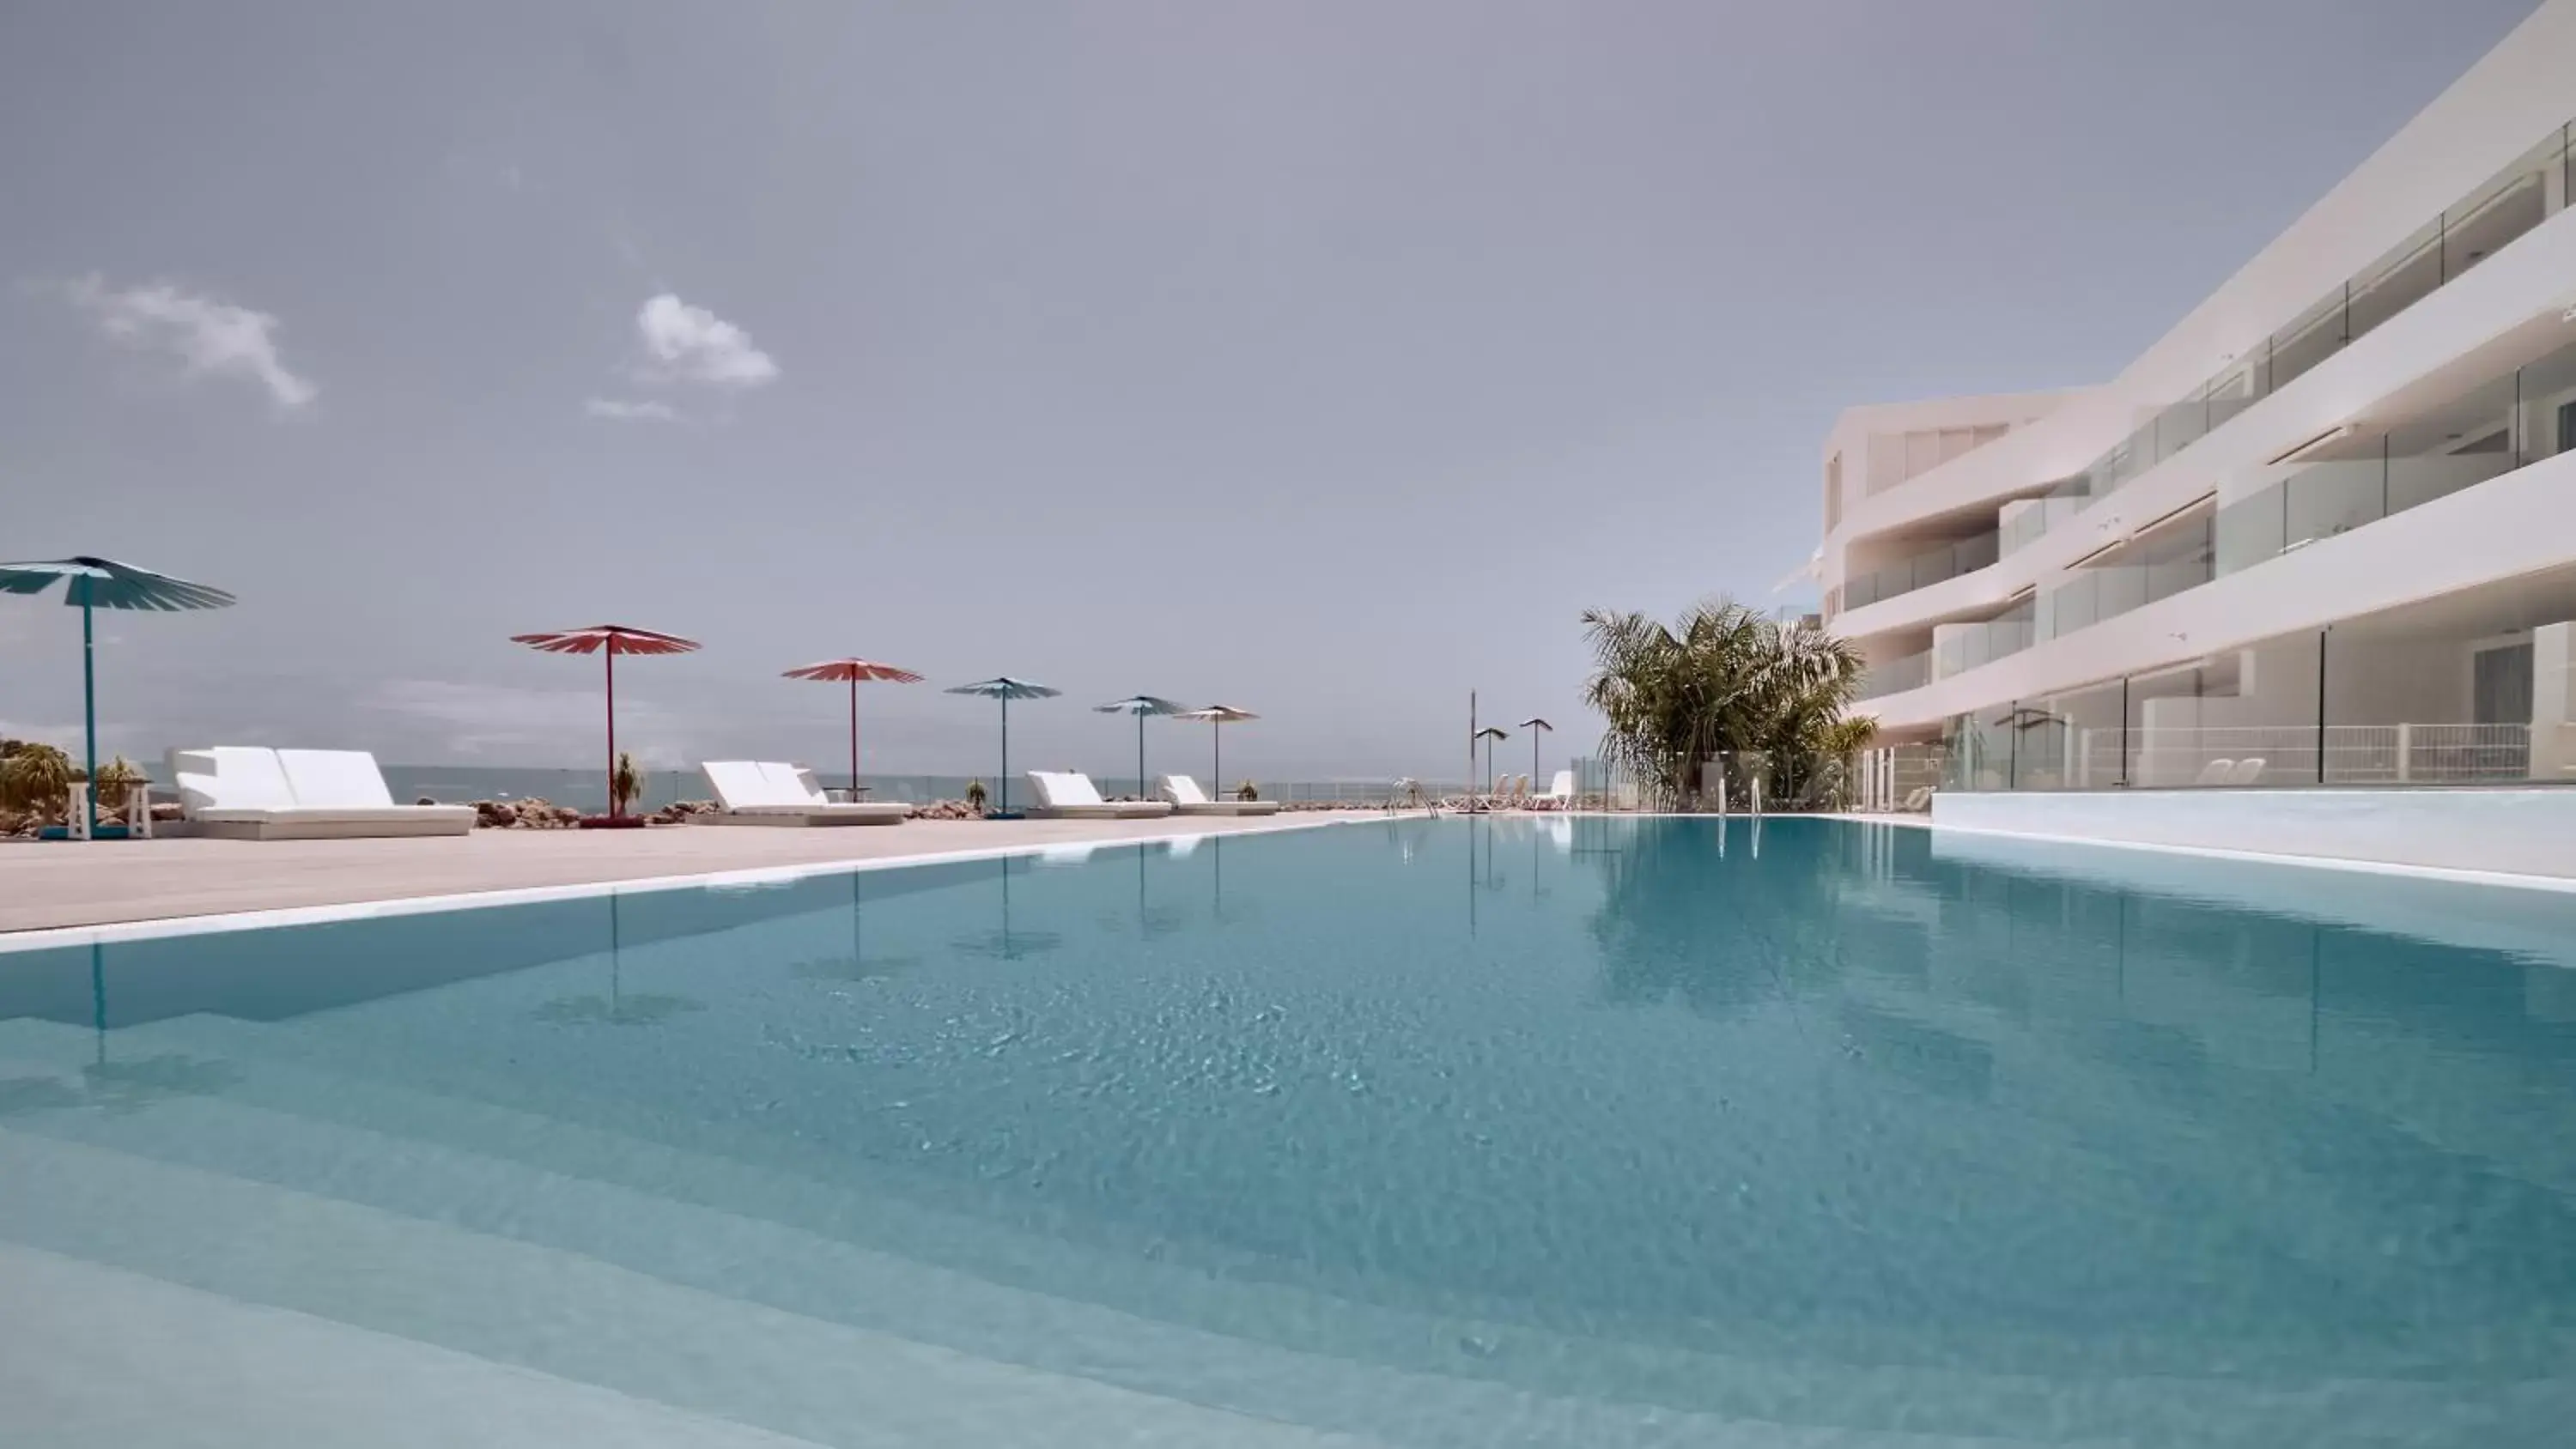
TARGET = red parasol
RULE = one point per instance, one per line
(612, 640)
(853, 672)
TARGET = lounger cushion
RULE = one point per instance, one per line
(1067, 793)
(335, 780)
(1182, 790)
(248, 785)
(1066, 788)
(792, 784)
(742, 785)
(231, 777)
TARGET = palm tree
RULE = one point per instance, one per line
(1726, 679)
(36, 779)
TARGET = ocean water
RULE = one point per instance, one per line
(1570, 1131)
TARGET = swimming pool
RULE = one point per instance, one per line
(1571, 1131)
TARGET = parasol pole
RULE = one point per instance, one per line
(854, 734)
(1006, 809)
(89, 704)
(1141, 792)
(608, 653)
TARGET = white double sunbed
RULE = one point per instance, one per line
(1188, 799)
(1067, 795)
(769, 792)
(243, 792)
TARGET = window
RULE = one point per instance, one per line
(2502, 691)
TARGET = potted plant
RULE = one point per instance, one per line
(975, 796)
(1246, 791)
(116, 782)
(625, 784)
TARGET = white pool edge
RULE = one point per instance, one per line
(2560, 885)
(49, 938)
(160, 927)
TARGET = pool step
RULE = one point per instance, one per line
(101, 1358)
(523, 1303)
(571, 1317)
(1283, 1351)
(997, 1271)
(676, 1241)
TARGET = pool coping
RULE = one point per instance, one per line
(51, 938)
(48, 938)
(2454, 875)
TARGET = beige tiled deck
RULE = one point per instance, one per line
(59, 884)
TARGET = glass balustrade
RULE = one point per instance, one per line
(2164, 562)
(1957, 648)
(2486, 432)
(2491, 216)
(1913, 671)
(1920, 571)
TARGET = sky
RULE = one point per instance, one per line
(1323, 359)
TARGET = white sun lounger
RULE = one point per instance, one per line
(1188, 799)
(2216, 772)
(1069, 795)
(247, 792)
(771, 792)
(1559, 794)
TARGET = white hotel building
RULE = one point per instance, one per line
(2323, 531)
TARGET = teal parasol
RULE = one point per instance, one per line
(1006, 689)
(1140, 705)
(99, 583)
(1217, 717)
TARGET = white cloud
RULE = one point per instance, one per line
(691, 344)
(208, 335)
(630, 410)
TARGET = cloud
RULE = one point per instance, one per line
(630, 410)
(691, 344)
(208, 335)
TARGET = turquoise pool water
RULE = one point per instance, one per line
(1472, 1133)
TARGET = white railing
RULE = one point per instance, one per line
(1888, 777)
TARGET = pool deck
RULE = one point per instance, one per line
(49, 885)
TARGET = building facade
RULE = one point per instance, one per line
(2322, 532)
